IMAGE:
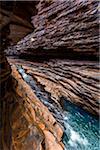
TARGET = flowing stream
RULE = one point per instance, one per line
(81, 129)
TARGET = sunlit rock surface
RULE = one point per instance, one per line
(33, 126)
(55, 83)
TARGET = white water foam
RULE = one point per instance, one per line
(74, 137)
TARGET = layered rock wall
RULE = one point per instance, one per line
(74, 81)
(62, 28)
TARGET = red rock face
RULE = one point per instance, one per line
(58, 29)
(33, 126)
(77, 81)
(68, 27)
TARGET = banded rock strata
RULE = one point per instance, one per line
(59, 29)
(77, 81)
(63, 28)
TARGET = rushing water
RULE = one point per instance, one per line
(81, 130)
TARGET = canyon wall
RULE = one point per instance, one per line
(33, 126)
(64, 29)
(17, 15)
(64, 80)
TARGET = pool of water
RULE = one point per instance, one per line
(81, 129)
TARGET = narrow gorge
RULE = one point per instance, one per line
(49, 75)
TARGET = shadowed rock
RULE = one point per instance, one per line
(62, 29)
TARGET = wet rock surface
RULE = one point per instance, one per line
(76, 80)
(56, 86)
(33, 126)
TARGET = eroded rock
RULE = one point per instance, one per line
(77, 81)
(62, 29)
(30, 120)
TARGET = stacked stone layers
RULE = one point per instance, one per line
(74, 81)
(71, 26)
